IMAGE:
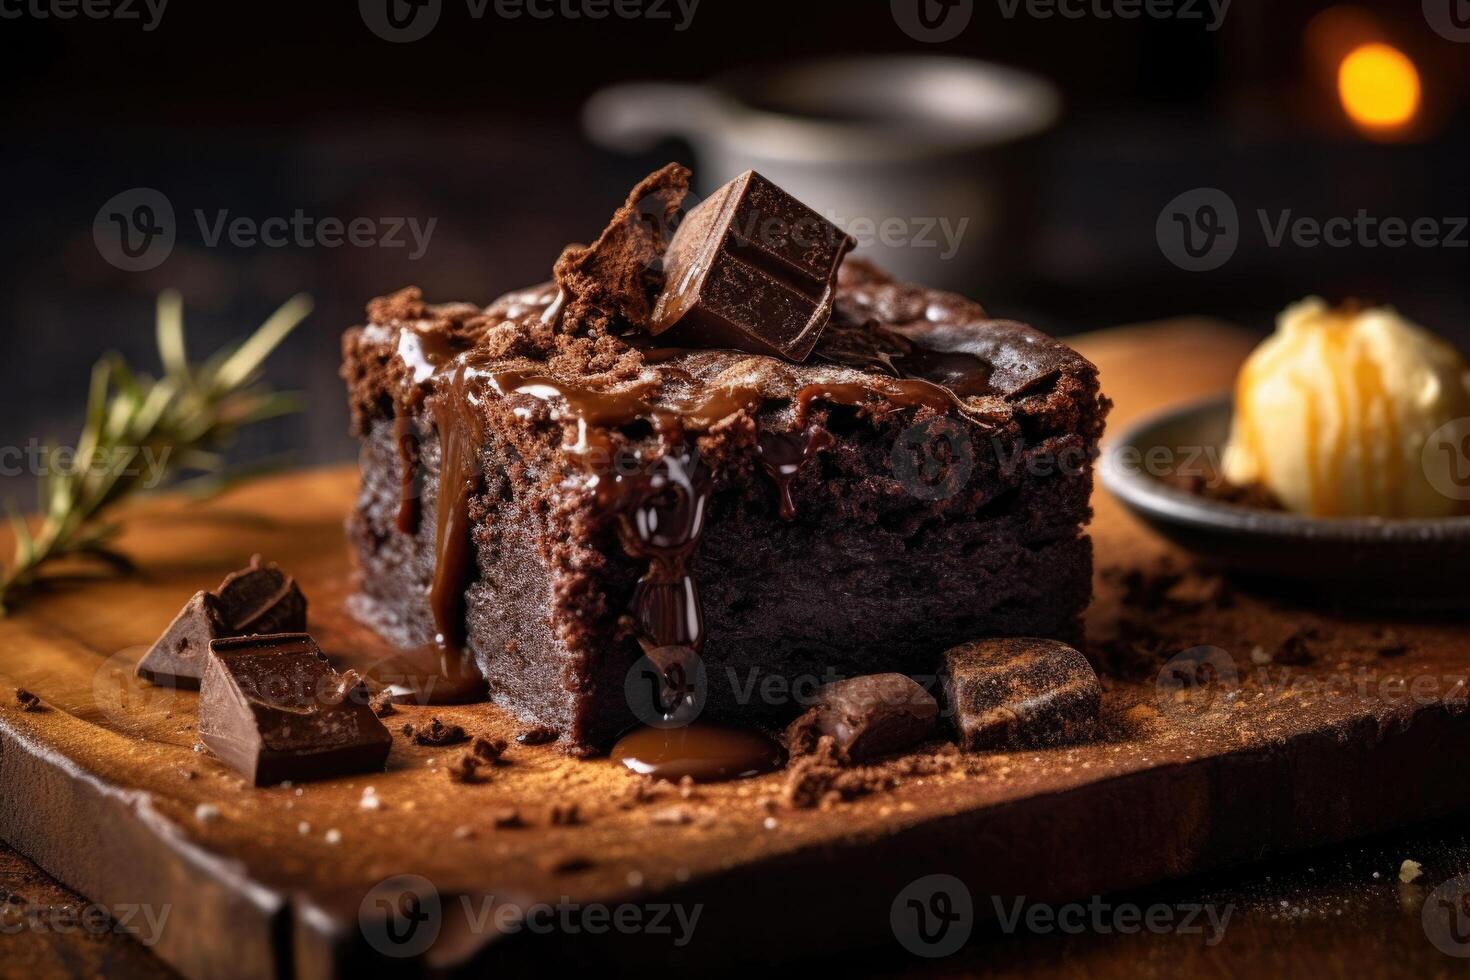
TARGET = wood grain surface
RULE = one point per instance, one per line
(104, 788)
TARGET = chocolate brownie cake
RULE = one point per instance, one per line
(553, 490)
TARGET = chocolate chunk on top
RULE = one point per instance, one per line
(867, 716)
(1019, 692)
(259, 598)
(272, 708)
(751, 268)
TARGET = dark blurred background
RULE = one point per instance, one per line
(263, 110)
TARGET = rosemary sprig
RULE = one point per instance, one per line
(140, 431)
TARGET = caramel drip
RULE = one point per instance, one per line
(783, 454)
(409, 486)
(1374, 394)
(1337, 459)
(460, 435)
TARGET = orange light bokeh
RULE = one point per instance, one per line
(1379, 88)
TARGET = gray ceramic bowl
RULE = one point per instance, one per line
(1350, 562)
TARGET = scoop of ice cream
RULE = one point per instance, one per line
(1334, 411)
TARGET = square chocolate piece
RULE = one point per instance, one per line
(753, 269)
(272, 707)
(1019, 692)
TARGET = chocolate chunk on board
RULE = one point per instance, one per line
(272, 708)
(751, 268)
(259, 598)
(1019, 692)
(867, 716)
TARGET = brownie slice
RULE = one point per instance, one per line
(921, 481)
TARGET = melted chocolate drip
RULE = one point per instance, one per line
(661, 516)
(783, 454)
(703, 751)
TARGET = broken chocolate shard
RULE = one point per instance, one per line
(753, 269)
(869, 716)
(1019, 692)
(272, 708)
(259, 598)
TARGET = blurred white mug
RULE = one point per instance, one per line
(925, 160)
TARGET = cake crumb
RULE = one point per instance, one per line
(27, 700)
(437, 733)
(506, 817)
(489, 750)
(206, 813)
(1410, 871)
(370, 799)
(303, 828)
(333, 836)
(466, 769)
(537, 735)
(567, 864)
(382, 704)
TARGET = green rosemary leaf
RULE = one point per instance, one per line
(175, 423)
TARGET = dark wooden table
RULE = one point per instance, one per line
(1339, 912)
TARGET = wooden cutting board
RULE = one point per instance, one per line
(1333, 726)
